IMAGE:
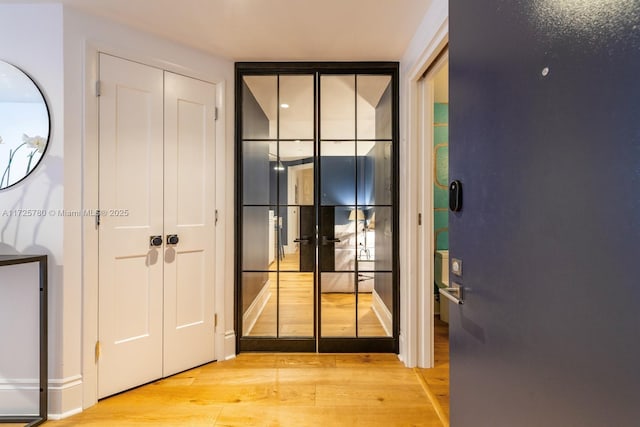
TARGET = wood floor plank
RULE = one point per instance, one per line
(358, 378)
(306, 360)
(346, 360)
(319, 416)
(403, 396)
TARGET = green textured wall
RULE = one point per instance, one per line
(441, 175)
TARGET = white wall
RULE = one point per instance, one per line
(415, 298)
(31, 39)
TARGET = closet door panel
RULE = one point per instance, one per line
(130, 200)
(189, 214)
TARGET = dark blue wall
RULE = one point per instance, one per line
(255, 231)
(544, 136)
(338, 183)
(383, 283)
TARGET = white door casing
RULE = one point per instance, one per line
(189, 212)
(157, 177)
(130, 200)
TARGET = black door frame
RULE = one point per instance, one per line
(315, 343)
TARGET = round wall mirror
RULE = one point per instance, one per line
(24, 125)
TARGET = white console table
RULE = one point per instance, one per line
(9, 260)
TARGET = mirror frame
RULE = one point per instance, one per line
(48, 115)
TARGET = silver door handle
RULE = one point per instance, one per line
(454, 293)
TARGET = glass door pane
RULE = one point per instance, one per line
(297, 111)
(337, 262)
(338, 107)
(356, 222)
(296, 304)
(278, 218)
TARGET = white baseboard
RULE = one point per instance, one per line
(383, 313)
(251, 315)
(229, 345)
(22, 396)
(56, 417)
(65, 397)
(402, 355)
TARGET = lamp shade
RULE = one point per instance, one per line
(356, 215)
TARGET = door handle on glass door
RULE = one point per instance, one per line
(304, 240)
(325, 240)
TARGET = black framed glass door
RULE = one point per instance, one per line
(317, 199)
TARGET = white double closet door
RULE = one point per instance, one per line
(157, 149)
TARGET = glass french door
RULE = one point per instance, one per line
(317, 197)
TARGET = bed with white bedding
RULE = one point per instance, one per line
(346, 252)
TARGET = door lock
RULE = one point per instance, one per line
(172, 239)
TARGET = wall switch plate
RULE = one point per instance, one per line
(456, 266)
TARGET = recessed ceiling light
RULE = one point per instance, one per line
(284, 105)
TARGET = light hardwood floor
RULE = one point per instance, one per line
(275, 390)
(437, 378)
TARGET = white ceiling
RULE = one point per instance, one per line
(278, 30)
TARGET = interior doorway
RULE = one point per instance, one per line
(317, 202)
(440, 155)
(433, 240)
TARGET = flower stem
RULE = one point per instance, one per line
(7, 171)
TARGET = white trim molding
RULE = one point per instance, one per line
(229, 345)
(382, 313)
(416, 340)
(65, 394)
(253, 312)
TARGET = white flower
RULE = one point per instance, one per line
(36, 142)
